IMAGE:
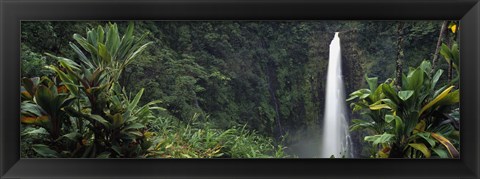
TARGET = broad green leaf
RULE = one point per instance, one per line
(390, 103)
(404, 95)
(427, 137)
(415, 79)
(103, 52)
(130, 27)
(372, 82)
(100, 34)
(361, 124)
(380, 139)
(446, 53)
(126, 42)
(92, 37)
(390, 93)
(135, 100)
(434, 101)
(363, 96)
(451, 98)
(104, 155)
(379, 106)
(100, 119)
(73, 136)
(37, 131)
(351, 98)
(426, 66)
(455, 55)
(389, 118)
(435, 78)
(44, 150)
(113, 40)
(43, 98)
(84, 43)
(399, 125)
(65, 62)
(81, 55)
(440, 152)
(138, 51)
(134, 126)
(67, 80)
(28, 108)
(360, 92)
(422, 148)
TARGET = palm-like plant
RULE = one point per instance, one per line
(88, 114)
(412, 120)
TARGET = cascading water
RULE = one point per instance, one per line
(336, 139)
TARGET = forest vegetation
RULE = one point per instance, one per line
(235, 89)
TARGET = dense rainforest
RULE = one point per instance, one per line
(233, 89)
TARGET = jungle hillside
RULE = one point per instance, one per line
(235, 89)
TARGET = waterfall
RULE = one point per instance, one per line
(336, 139)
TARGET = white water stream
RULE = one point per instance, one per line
(336, 139)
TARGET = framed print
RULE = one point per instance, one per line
(244, 89)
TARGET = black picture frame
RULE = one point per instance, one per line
(14, 11)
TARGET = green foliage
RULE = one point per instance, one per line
(452, 56)
(410, 121)
(85, 113)
(242, 76)
(32, 63)
(200, 139)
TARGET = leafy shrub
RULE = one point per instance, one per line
(83, 110)
(413, 121)
(177, 139)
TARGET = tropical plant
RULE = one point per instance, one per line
(84, 111)
(452, 57)
(200, 139)
(410, 121)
